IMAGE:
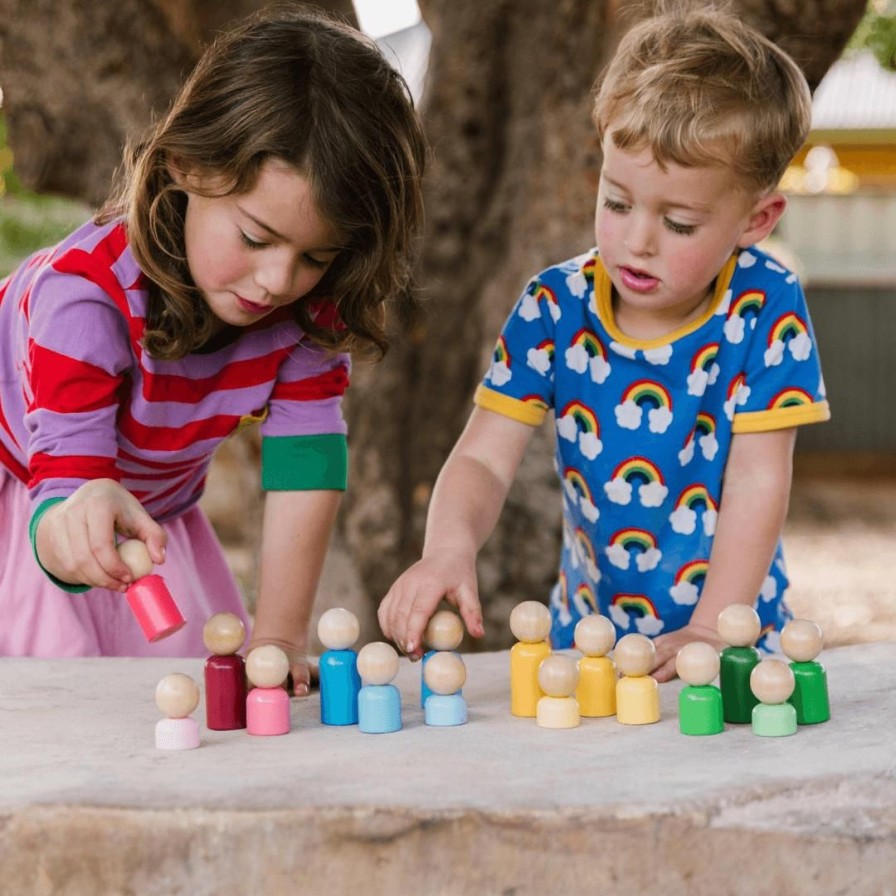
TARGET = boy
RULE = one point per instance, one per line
(678, 360)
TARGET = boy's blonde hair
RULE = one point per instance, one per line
(699, 87)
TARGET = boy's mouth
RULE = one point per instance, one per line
(637, 280)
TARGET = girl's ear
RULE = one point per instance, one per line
(764, 215)
(177, 172)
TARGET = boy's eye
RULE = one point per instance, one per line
(614, 206)
(681, 229)
(250, 243)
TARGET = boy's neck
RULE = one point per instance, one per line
(645, 325)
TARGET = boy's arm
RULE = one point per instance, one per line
(466, 503)
(754, 504)
(295, 535)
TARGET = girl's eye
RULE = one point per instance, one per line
(614, 206)
(250, 243)
(316, 262)
(681, 229)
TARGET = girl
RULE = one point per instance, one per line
(258, 233)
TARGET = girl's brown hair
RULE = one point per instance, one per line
(293, 85)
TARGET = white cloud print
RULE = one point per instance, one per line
(500, 373)
(659, 357)
(620, 618)
(709, 445)
(683, 520)
(567, 428)
(652, 494)
(686, 455)
(618, 491)
(649, 625)
(529, 309)
(734, 329)
(589, 510)
(648, 560)
(538, 359)
(599, 368)
(618, 556)
(590, 445)
(699, 379)
(576, 357)
(628, 415)
(710, 518)
(774, 354)
(800, 347)
(577, 283)
(660, 419)
(685, 594)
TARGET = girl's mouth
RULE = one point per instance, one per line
(252, 307)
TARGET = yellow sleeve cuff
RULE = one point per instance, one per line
(781, 418)
(530, 412)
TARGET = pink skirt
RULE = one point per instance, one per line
(39, 619)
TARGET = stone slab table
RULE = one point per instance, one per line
(498, 806)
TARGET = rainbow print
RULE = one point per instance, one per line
(638, 469)
(693, 573)
(576, 481)
(589, 341)
(546, 346)
(634, 538)
(705, 425)
(585, 548)
(535, 401)
(786, 327)
(696, 497)
(648, 393)
(585, 600)
(589, 268)
(583, 415)
(749, 302)
(704, 358)
(789, 398)
(735, 385)
(500, 355)
(637, 604)
(545, 294)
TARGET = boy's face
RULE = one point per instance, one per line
(664, 235)
(252, 252)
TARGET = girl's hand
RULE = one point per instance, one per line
(410, 603)
(303, 677)
(75, 538)
(667, 647)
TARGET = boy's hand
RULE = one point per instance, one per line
(667, 647)
(75, 538)
(405, 611)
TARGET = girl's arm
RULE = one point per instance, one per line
(466, 503)
(754, 504)
(295, 535)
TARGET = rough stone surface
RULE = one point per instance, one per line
(88, 805)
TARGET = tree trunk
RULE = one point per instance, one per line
(80, 77)
(511, 189)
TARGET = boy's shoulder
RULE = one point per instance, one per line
(762, 268)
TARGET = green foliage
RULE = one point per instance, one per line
(877, 32)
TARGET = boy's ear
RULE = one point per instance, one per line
(764, 215)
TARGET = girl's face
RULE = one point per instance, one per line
(252, 252)
(665, 233)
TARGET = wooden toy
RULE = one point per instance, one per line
(444, 676)
(148, 595)
(739, 627)
(177, 695)
(557, 678)
(267, 704)
(379, 703)
(338, 629)
(700, 701)
(225, 673)
(637, 693)
(772, 682)
(801, 642)
(530, 622)
(444, 631)
(596, 692)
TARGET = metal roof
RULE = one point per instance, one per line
(857, 93)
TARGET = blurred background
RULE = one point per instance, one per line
(504, 90)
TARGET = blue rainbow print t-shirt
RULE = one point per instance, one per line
(644, 429)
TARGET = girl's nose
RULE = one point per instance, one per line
(275, 276)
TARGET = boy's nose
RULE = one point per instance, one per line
(639, 239)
